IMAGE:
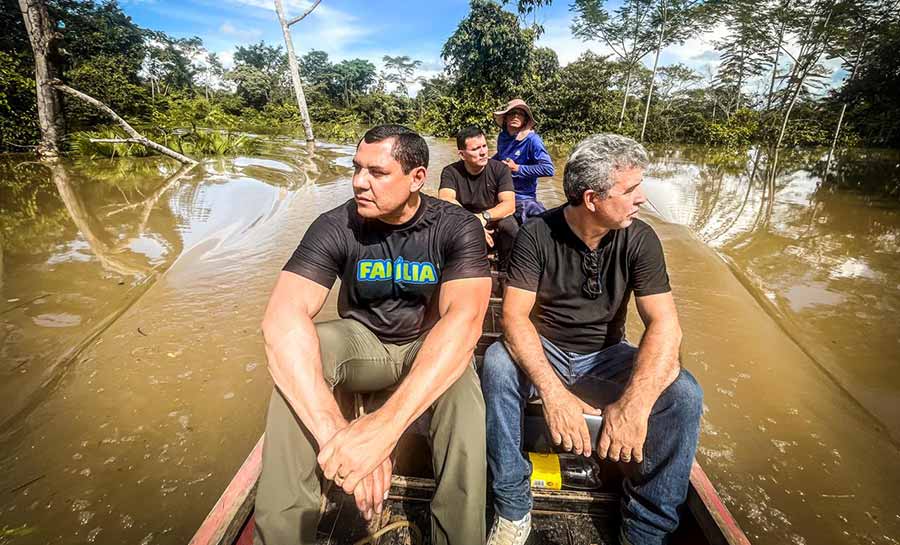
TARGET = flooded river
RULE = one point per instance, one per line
(134, 378)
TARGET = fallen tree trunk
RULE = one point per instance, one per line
(136, 137)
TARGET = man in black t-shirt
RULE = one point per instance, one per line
(571, 275)
(415, 284)
(484, 187)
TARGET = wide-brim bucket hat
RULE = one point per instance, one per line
(512, 105)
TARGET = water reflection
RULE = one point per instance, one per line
(160, 405)
(823, 256)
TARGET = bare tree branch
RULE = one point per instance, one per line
(307, 12)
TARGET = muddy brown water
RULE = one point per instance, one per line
(134, 380)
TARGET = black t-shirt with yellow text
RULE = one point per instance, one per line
(547, 259)
(390, 274)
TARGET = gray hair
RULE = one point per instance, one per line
(595, 159)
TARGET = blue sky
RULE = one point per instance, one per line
(371, 29)
(351, 28)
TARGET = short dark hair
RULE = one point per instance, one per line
(467, 132)
(409, 149)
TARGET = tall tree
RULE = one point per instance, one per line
(815, 25)
(260, 73)
(315, 68)
(351, 78)
(43, 43)
(874, 111)
(673, 21)
(865, 20)
(292, 63)
(625, 31)
(399, 70)
(742, 52)
(489, 51)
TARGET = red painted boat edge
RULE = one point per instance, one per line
(232, 500)
(713, 505)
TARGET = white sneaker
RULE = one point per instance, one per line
(510, 532)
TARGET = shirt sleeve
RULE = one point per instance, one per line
(466, 254)
(648, 265)
(525, 263)
(504, 178)
(448, 180)
(541, 165)
(321, 253)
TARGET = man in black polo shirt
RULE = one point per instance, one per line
(415, 284)
(572, 272)
(484, 187)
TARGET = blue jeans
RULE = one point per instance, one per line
(653, 489)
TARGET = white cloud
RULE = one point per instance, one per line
(696, 52)
(558, 37)
(247, 34)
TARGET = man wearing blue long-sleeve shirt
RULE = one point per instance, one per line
(523, 151)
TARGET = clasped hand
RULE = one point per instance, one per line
(622, 437)
(357, 458)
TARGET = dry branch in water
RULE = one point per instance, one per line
(136, 137)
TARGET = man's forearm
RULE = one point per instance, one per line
(656, 365)
(296, 369)
(440, 362)
(524, 344)
(502, 210)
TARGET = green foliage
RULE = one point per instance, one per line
(181, 111)
(489, 52)
(18, 111)
(874, 111)
(90, 29)
(446, 115)
(579, 103)
(193, 143)
(81, 145)
(347, 129)
(168, 63)
(105, 79)
(734, 132)
(260, 72)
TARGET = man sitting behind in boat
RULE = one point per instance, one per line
(484, 187)
(573, 270)
(415, 284)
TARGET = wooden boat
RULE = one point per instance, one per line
(570, 517)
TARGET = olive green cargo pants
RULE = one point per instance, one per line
(353, 359)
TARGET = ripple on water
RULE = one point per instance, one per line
(92, 535)
(60, 319)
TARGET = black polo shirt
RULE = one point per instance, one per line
(547, 259)
(391, 274)
(479, 192)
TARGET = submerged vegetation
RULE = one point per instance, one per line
(193, 143)
(763, 88)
